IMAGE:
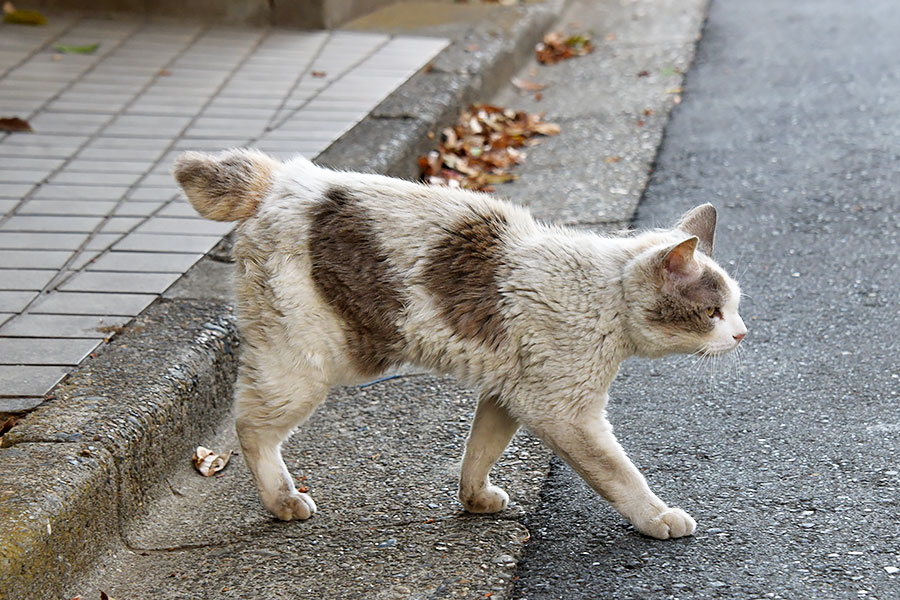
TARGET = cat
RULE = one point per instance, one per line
(343, 276)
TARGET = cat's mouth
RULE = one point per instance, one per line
(718, 349)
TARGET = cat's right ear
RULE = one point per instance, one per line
(678, 263)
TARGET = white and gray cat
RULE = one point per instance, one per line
(343, 276)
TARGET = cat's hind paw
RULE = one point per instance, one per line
(670, 523)
(293, 506)
(490, 499)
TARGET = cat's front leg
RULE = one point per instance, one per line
(587, 443)
(492, 429)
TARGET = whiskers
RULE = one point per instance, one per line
(712, 368)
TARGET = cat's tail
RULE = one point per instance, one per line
(226, 186)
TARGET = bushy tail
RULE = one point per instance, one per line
(227, 186)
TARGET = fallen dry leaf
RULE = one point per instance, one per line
(612, 159)
(318, 73)
(15, 124)
(209, 463)
(556, 47)
(486, 142)
(22, 17)
(105, 596)
(528, 86)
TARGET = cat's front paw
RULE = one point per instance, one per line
(490, 499)
(295, 505)
(670, 523)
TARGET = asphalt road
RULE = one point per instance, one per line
(788, 459)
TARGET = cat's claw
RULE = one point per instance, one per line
(295, 505)
(670, 523)
(490, 499)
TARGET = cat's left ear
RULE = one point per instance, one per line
(700, 221)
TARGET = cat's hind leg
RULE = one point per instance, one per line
(492, 429)
(268, 409)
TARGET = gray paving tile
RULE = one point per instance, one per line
(130, 283)
(92, 178)
(80, 105)
(69, 123)
(179, 209)
(128, 144)
(120, 224)
(34, 259)
(63, 326)
(146, 126)
(67, 207)
(52, 191)
(4, 317)
(27, 381)
(111, 155)
(102, 241)
(184, 226)
(92, 303)
(14, 301)
(137, 208)
(166, 243)
(25, 279)
(28, 176)
(83, 259)
(7, 205)
(39, 149)
(46, 164)
(11, 240)
(45, 351)
(15, 190)
(160, 180)
(152, 194)
(145, 262)
(69, 224)
(107, 166)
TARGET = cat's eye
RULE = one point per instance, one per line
(712, 311)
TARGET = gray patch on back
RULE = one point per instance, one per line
(353, 273)
(462, 275)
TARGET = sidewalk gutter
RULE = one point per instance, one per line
(74, 470)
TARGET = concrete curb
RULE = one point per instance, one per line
(84, 462)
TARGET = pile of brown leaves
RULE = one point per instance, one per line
(479, 150)
(557, 47)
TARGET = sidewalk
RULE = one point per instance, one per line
(93, 233)
(93, 228)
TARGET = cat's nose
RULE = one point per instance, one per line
(740, 336)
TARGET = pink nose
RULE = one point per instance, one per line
(739, 337)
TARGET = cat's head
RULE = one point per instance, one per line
(679, 300)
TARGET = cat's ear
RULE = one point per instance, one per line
(700, 221)
(678, 263)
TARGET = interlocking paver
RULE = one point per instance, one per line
(23, 380)
(99, 281)
(51, 223)
(25, 279)
(13, 240)
(92, 303)
(45, 351)
(154, 242)
(145, 262)
(34, 259)
(91, 190)
(66, 207)
(12, 301)
(63, 326)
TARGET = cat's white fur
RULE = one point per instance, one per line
(560, 311)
